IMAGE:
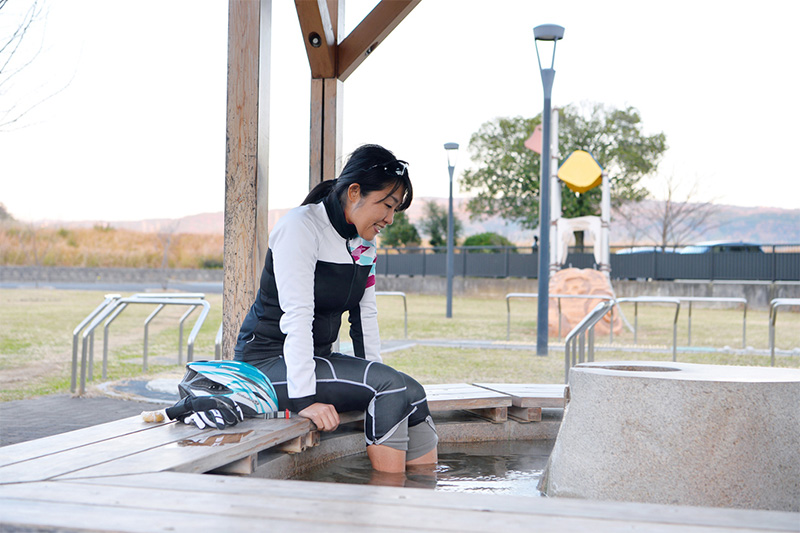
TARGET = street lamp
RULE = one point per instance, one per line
(452, 155)
(546, 33)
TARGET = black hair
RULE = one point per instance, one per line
(367, 166)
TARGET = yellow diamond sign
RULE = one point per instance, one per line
(580, 172)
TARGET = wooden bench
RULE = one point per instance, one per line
(131, 446)
(528, 400)
(133, 476)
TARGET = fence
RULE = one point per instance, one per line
(774, 263)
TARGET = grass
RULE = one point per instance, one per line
(22, 245)
(36, 339)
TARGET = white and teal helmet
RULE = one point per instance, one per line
(241, 382)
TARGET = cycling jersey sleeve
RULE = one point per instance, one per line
(364, 316)
(295, 249)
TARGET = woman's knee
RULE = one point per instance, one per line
(384, 378)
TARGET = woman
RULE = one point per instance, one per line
(321, 263)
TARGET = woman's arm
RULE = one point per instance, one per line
(295, 249)
(364, 317)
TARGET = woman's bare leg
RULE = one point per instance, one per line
(430, 458)
(386, 459)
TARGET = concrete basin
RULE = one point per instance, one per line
(679, 433)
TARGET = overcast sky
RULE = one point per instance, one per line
(138, 130)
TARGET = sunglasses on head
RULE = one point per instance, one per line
(392, 168)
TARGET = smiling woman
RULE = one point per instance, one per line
(321, 263)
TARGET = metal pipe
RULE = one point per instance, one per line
(108, 299)
(114, 315)
(180, 332)
(405, 307)
(106, 311)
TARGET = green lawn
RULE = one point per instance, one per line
(36, 328)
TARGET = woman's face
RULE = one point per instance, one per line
(373, 212)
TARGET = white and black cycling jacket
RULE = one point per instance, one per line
(317, 267)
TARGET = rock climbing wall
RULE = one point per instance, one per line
(579, 281)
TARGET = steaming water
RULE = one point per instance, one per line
(498, 467)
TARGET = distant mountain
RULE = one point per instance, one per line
(755, 224)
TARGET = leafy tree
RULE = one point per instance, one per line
(434, 224)
(488, 239)
(507, 178)
(401, 233)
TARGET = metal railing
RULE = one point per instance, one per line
(774, 305)
(691, 299)
(109, 299)
(511, 295)
(405, 307)
(575, 343)
(109, 310)
(655, 299)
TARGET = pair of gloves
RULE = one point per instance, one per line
(206, 412)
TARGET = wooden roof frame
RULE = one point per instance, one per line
(333, 57)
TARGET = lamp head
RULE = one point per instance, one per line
(549, 33)
(452, 153)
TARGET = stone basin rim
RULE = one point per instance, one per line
(688, 372)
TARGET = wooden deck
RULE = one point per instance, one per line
(133, 476)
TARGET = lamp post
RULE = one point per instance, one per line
(549, 33)
(452, 154)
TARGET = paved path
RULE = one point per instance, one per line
(24, 420)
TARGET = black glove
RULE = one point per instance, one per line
(207, 412)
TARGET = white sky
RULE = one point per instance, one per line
(139, 130)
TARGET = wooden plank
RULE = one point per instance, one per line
(370, 32)
(225, 487)
(175, 498)
(201, 452)
(525, 414)
(24, 451)
(108, 449)
(492, 414)
(24, 515)
(463, 396)
(530, 395)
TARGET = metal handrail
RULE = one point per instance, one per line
(774, 304)
(576, 338)
(655, 299)
(691, 299)
(144, 296)
(109, 298)
(405, 307)
(559, 297)
(110, 308)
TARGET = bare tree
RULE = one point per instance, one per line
(673, 221)
(15, 58)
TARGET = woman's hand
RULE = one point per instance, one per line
(323, 415)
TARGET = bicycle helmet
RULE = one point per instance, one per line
(241, 382)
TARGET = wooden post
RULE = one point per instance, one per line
(246, 175)
(326, 20)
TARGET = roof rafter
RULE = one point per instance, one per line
(329, 59)
(319, 37)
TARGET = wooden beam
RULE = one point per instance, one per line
(245, 197)
(319, 36)
(363, 40)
